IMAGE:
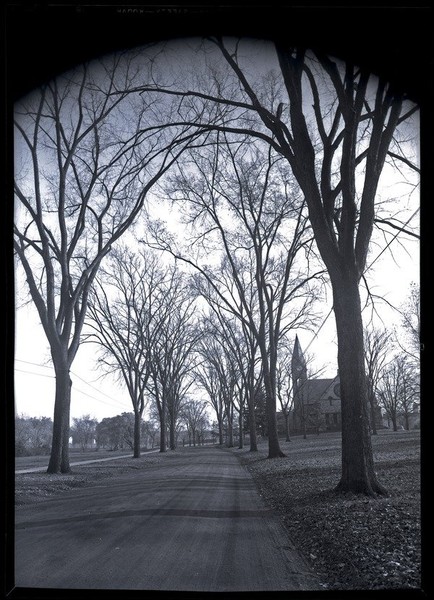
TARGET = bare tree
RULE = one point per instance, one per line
(86, 158)
(337, 126)
(411, 325)
(239, 347)
(389, 392)
(172, 356)
(410, 390)
(115, 433)
(251, 379)
(193, 413)
(284, 385)
(240, 203)
(341, 200)
(32, 435)
(83, 431)
(125, 312)
(398, 390)
(221, 370)
(207, 377)
(377, 348)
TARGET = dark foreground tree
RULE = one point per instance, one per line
(335, 124)
(341, 203)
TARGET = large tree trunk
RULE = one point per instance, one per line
(372, 412)
(59, 457)
(252, 419)
(240, 427)
(252, 431)
(162, 414)
(358, 474)
(137, 432)
(220, 424)
(274, 450)
(288, 437)
(172, 440)
(230, 432)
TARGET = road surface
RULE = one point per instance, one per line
(193, 522)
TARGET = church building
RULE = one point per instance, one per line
(317, 403)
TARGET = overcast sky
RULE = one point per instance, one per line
(389, 277)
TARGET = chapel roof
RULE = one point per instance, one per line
(314, 389)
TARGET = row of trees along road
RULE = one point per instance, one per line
(392, 365)
(141, 316)
(33, 435)
(316, 134)
(393, 382)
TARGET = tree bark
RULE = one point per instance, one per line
(252, 428)
(172, 441)
(372, 407)
(230, 432)
(59, 457)
(137, 432)
(240, 427)
(220, 424)
(288, 437)
(358, 474)
(163, 429)
(252, 419)
(274, 450)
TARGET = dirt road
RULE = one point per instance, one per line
(194, 522)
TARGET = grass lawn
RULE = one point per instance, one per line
(33, 462)
(352, 541)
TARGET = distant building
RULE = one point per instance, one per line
(317, 402)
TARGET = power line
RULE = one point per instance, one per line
(93, 387)
(27, 362)
(38, 374)
(115, 405)
(319, 328)
(76, 389)
(72, 373)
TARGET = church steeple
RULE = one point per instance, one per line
(298, 364)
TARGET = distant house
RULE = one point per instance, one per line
(317, 402)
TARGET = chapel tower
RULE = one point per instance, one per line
(298, 367)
